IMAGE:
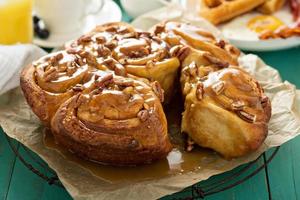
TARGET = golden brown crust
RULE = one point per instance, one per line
(226, 10)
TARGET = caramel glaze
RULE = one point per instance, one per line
(177, 162)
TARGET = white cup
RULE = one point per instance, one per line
(136, 8)
(65, 16)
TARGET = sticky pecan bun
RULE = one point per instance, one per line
(141, 53)
(119, 122)
(225, 108)
(53, 79)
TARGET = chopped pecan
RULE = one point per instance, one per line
(199, 91)
(158, 29)
(221, 44)
(79, 61)
(51, 74)
(157, 39)
(111, 44)
(248, 117)
(111, 29)
(78, 88)
(158, 90)
(183, 53)
(143, 115)
(84, 39)
(72, 51)
(59, 56)
(103, 51)
(123, 29)
(100, 39)
(232, 49)
(102, 81)
(143, 34)
(71, 70)
(120, 69)
(174, 50)
(215, 60)
(218, 87)
(124, 83)
(237, 105)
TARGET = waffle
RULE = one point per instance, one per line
(218, 11)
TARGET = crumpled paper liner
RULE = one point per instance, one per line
(18, 121)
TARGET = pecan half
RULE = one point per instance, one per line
(51, 74)
(158, 90)
(102, 81)
(111, 44)
(78, 88)
(221, 44)
(237, 105)
(72, 51)
(183, 53)
(248, 117)
(158, 29)
(174, 50)
(143, 115)
(199, 91)
(218, 87)
(120, 69)
(214, 60)
(59, 56)
(124, 83)
(100, 39)
(84, 39)
(103, 51)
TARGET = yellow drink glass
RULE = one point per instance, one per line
(16, 21)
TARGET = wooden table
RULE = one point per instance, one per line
(279, 181)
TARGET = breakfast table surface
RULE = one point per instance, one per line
(280, 180)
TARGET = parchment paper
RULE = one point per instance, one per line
(18, 121)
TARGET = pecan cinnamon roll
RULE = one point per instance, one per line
(53, 79)
(141, 53)
(119, 122)
(225, 108)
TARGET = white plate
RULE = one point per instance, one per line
(241, 36)
(109, 13)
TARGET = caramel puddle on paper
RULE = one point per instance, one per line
(177, 162)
